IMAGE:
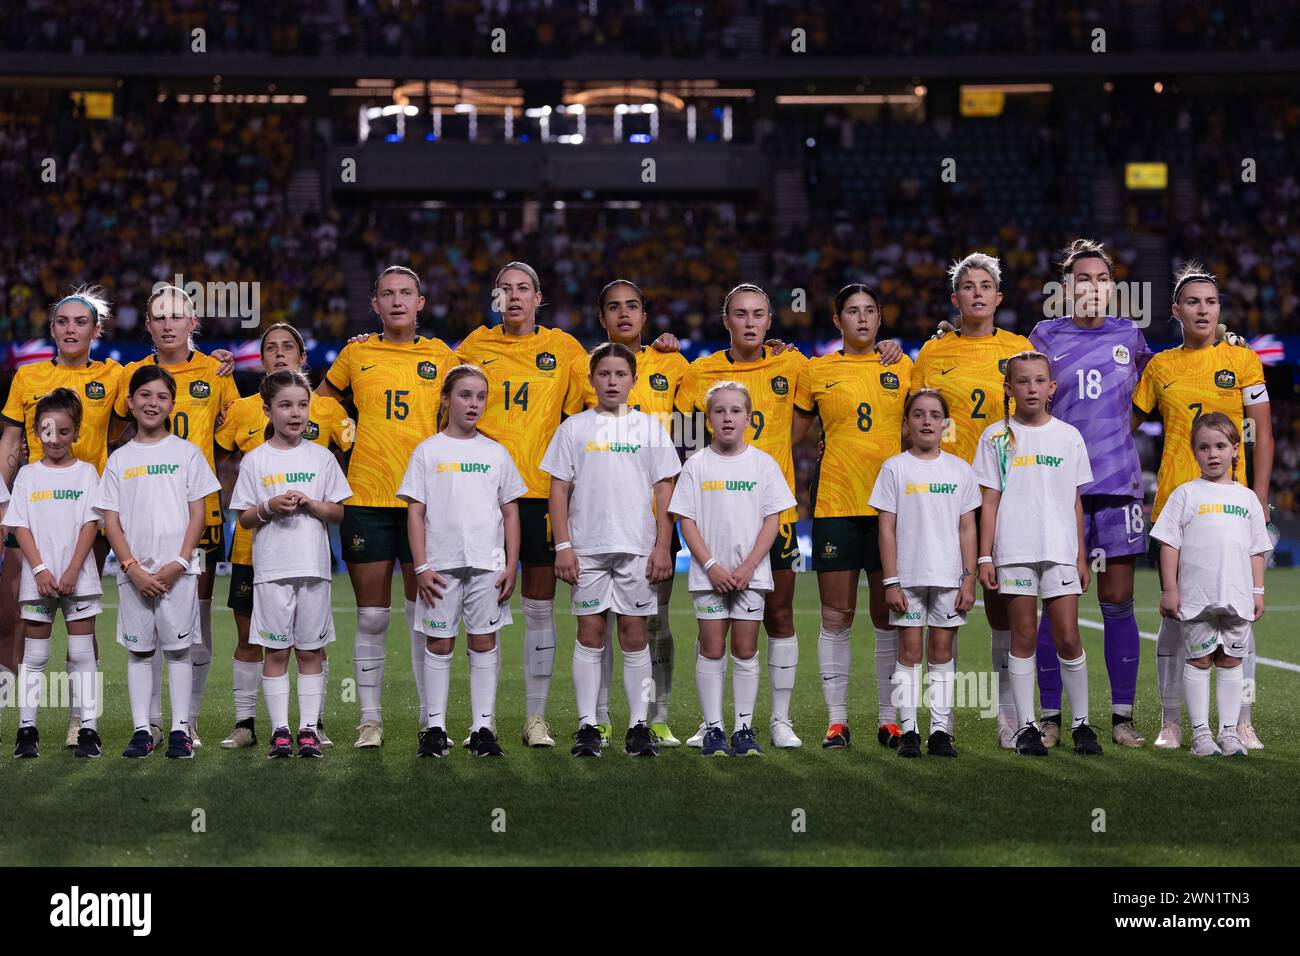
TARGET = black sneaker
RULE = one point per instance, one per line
(179, 745)
(483, 743)
(640, 742)
(141, 745)
(586, 742)
(281, 744)
(29, 743)
(940, 744)
(1085, 741)
(1029, 742)
(308, 743)
(434, 743)
(909, 745)
(88, 743)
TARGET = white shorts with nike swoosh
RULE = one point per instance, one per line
(1214, 628)
(737, 606)
(615, 581)
(470, 596)
(42, 610)
(1043, 579)
(170, 622)
(294, 612)
(929, 607)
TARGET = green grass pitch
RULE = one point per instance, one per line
(860, 806)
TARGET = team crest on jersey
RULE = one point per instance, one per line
(659, 382)
(780, 385)
(1224, 378)
(1002, 366)
(311, 432)
(1120, 354)
(888, 380)
(200, 389)
(95, 390)
(830, 550)
(427, 370)
(546, 361)
(358, 543)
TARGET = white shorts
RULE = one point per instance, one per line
(41, 610)
(1043, 579)
(615, 581)
(170, 622)
(929, 607)
(1212, 629)
(744, 605)
(470, 596)
(295, 612)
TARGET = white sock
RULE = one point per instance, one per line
(201, 659)
(886, 661)
(483, 669)
(539, 653)
(1000, 648)
(834, 655)
(744, 689)
(906, 693)
(1227, 693)
(661, 661)
(437, 687)
(710, 675)
(1074, 678)
(369, 655)
(1248, 679)
(247, 679)
(1021, 672)
(782, 661)
(155, 693)
(942, 682)
(81, 667)
(418, 644)
(1196, 687)
(36, 654)
(324, 688)
(180, 684)
(1170, 654)
(586, 681)
(276, 692)
(139, 688)
(606, 675)
(311, 691)
(636, 675)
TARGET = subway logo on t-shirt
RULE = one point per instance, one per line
(621, 447)
(728, 485)
(468, 467)
(288, 478)
(1047, 461)
(57, 494)
(139, 471)
(1209, 508)
(931, 489)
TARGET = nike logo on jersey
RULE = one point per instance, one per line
(366, 368)
(1066, 584)
(494, 623)
(254, 431)
(946, 370)
(641, 604)
(789, 554)
(181, 637)
(1167, 384)
(1135, 540)
(1255, 395)
(1057, 358)
(323, 634)
(951, 616)
(81, 607)
(833, 384)
(487, 362)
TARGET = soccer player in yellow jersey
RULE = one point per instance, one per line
(394, 381)
(968, 368)
(771, 379)
(1181, 385)
(860, 403)
(202, 392)
(243, 428)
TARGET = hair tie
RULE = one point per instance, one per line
(90, 306)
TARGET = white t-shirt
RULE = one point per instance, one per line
(151, 486)
(4, 492)
(728, 496)
(55, 504)
(1039, 481)
(1216, 528)
(462, 482)
(613, 462)
(929, 497)
(296, 545)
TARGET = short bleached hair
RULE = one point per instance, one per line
(976, 260)
(728, 386)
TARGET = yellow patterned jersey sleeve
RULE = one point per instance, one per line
(98, 385)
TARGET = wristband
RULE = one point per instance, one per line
(563, 546)
(185, 565)
(1258, 590)
(270, 514)
(38, 569)
(709, 563)
(422, 568)
(889, 582)
(984, 559)
(128, 565)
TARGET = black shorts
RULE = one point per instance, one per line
(846, 544)
(241, 589)
(536, 540)
(213, 543)
(11, 540)
(372, 534)
(785, 550)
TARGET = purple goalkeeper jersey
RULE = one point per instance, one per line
(1096, 372)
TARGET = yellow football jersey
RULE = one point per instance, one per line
(1184, 384)
(771, 381)
(98, 385)
(970, 374)
(533, 380)
(244, 428)
(860, 403)
(201, 394)
(396, 388)
(658, 376)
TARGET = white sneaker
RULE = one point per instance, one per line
(783, 735)
(537, 733)
(239, 738)
(74, 727)
(370, 733)
(1171, 735)
(1245, 730)
(158, 735)
(1126, 735)
(194, 733)
(1006, 737)
(698, 740)
(1231, 744)
(1203, 745)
